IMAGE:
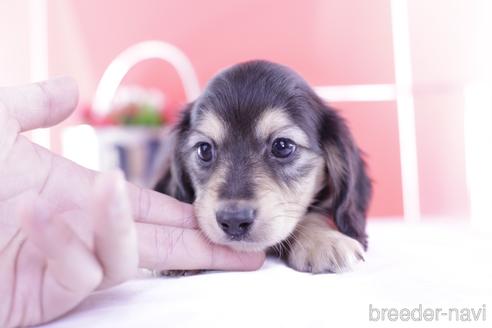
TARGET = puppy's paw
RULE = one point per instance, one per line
(324, 250)
(179, 273)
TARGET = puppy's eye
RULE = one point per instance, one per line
(205, 151)
(283, 147)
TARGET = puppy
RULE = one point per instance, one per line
(268, 165)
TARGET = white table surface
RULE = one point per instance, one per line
(437, 265)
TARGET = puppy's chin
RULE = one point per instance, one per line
(249, 244)
(246, 246)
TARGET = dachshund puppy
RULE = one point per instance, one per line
(268, 165)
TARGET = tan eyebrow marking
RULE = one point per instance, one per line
(276, 121)
(211, 126)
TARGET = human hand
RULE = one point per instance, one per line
(76, 230)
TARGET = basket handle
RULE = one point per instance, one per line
(121, 65)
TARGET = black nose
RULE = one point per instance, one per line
(236, 221)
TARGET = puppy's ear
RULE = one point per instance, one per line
(349, 187)
(174, 179)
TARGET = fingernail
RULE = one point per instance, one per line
(109, 182)
(118, 187)
(118, 200)
(119, 180)
(251, 261)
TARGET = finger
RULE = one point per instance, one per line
(41, 104)
(152, 207)
(9, 130)
(71, 272)
(69, 261)
(115, 237)
(172, 248)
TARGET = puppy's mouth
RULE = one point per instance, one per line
(245, 225)
(248, 242)
(246, 245)
(257, 239)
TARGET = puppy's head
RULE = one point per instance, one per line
(258, 150)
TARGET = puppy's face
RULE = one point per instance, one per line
(253, 155)
(254, 173)
(256, 151)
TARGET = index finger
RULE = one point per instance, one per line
(170, 248)
(152, 207)
(40, 105)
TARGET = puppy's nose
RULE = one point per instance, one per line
(236, 221)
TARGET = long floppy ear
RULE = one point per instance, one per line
(349, 187)
(173, 177)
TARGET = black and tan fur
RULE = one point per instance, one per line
(310, 206)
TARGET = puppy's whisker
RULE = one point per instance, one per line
(278, 249)
(300, 205)
(281, 216)
(318, 209)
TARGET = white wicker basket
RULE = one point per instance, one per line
(134, 148)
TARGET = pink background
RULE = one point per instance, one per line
(329, 42)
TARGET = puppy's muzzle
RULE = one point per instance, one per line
(236, 219)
